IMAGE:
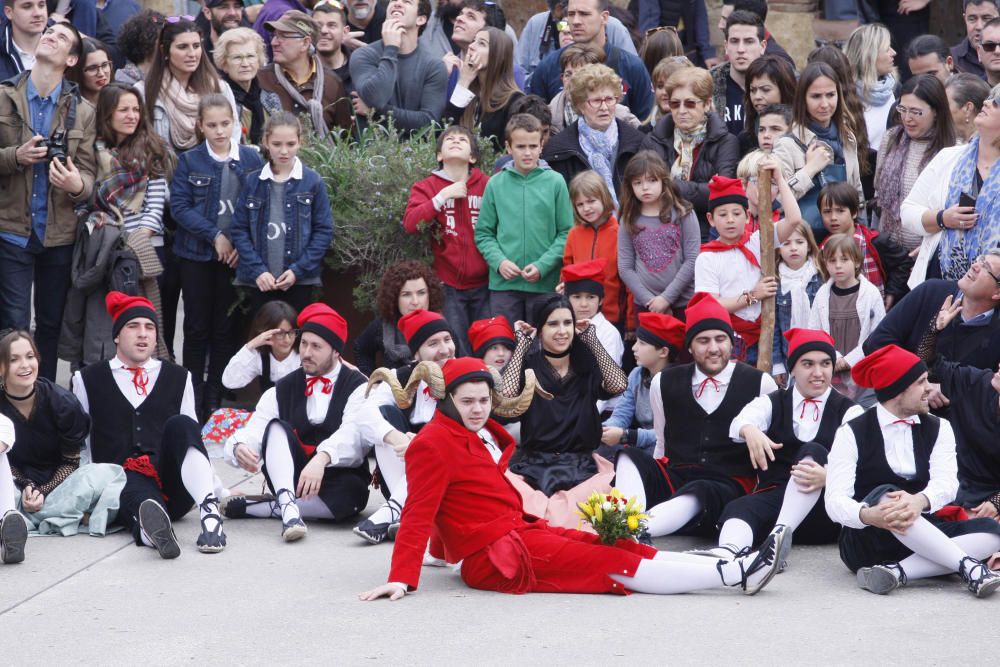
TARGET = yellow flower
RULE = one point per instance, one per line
(598, 514)
(633, 523)
(588, 510)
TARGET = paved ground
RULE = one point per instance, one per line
(104, 601)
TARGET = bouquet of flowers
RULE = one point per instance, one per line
(613, 516)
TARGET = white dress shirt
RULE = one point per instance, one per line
(711, 396)
(805, 422)
(898, 437)
(123, 379)
(372, 424)
(726, 274)
(344, 446)
(245, 366)
(6, 434)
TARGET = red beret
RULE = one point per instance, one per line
(122, 308)
(325, 322)
(889, 370)
(705, 313)
(660, 330)
(465, 369)
(725, 190)
(801, 341)
(419, 325)
(584, 277)
(484, 334)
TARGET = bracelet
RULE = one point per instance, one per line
(940, 219)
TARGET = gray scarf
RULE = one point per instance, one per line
(315, 105)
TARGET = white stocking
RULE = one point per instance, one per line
(924, 539)
(392, 471)
(736, 533)
(8, 492)
(670, 516)
(977, 545)
(199, 480)
(281, 471)
(797, 504)
(314, 508)
(628, 480)
(666, 577)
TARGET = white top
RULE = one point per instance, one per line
(898, 437)
(266, 174)
(27, 57)
(123, 379)
(344, 447)
(234, 152)
(877, 120)
(806, 417)
(711, 395)
(372, 424)
(929, 192)
(245, 366)
(870, 307)
(729, 273)
(6, 434)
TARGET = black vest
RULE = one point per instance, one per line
(290, 394)
(117, 430)
(693, 437)
(782, 423)
(265, 369)
(873, 468)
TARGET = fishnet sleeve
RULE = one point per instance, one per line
(20, 479)
(512, 378)
(613, 378)
(927, 349)
(68, 466)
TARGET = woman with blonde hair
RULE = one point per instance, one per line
(239, 55)
(871, 56)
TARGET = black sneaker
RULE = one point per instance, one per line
(786, 547)
(235, 506)
(13, 535)
(377, 533)
(211, 541)
(981, 580)
(153, 521)
(758, 568)
(881, 579)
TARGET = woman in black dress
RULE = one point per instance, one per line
(559, 436)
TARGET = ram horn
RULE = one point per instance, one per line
(429, 372)
(518, 405)
(402, 398)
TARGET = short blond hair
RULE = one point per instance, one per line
(749, 166)
(590, 78)
(695, 78)
(238, 37)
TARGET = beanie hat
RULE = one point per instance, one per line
(704, 313)
(484, 334)
(585, 277)
(122, 308)
(801, 341)
(725, 190)
(889, 370)
(325, 322)
(419, 325)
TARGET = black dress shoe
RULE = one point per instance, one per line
(13, 535)
(153, 521)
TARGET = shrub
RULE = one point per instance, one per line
(369, 181)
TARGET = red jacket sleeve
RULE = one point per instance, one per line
(420, 206)
(427, 480)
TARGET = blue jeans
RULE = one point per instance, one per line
(49, 270)
(462, 307)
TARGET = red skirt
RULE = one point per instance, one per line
(539, 558)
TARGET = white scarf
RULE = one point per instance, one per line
(795, 281)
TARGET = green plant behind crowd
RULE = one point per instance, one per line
(368, 180)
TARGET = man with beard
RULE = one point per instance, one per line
(218, 16)
(333, 35)
(365, 17)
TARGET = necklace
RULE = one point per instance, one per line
(19, 398)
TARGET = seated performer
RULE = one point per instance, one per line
(13, 529)
(492, 341)
(788, 434)
(459, 492)
(143, 419)
(303, 432)
(975, 418)
(50, 428)
(693, 407)
(556, 464)
(889, 471)
(390, 428)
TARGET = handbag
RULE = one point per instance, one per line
(809, 202)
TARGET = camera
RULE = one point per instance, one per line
(56, 145)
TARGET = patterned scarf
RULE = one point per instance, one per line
(685, 144)
(315, 103)
(116, 190)
(881, 92)
(181, 106)
(960, 247)
(600, 149)
(890, 182)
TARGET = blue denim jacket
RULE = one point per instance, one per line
(307, 215)
(624, 414)
(194, 197)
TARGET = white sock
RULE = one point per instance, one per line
(923, 539)
(289, 505)
(392, 471)
(385, 514)
(797, 504)
(313, 508)
(199, 480)
(977, 545)
(628, 480)
(670, 516)
(681, 557)
(736, 533)
(8, 492)
(263, 509)
(670, 576)
(145, 538)
(281, 471)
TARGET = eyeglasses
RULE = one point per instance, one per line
(99, 67)
(598, 102)
(661, 28)
(989, 47)
(241, 58)
(985, 266)
(687, 104)
(287, 335)
(907, 111)
(178, 19)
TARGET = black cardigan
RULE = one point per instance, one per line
(564, 155)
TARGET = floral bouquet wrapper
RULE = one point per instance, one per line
(613, 516)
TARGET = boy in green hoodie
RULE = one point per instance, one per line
(523, 222)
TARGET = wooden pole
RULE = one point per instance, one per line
(766, 343)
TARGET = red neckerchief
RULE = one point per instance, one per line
(908, 422)
(815, 402)
(325, 381)
(140, 379)
(704, 383)
(741, 245)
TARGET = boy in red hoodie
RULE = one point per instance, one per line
(449, 200)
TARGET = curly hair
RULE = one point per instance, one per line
(590, 78)
(137, 37)
(387, 299)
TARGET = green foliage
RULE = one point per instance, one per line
(368, 180)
